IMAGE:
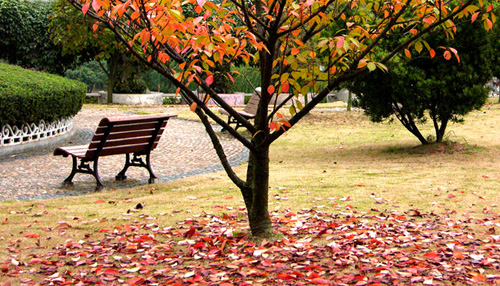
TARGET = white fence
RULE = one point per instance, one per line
(14, 135)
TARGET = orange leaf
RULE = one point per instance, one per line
(447, 55)
(408, 53)
(280, 116)
(295, 51)
(458, 255)
(474, 17)
(490, 8)
(134, 15)
(210, 79)
(433, 53)
(286, 123)
(270, 89)
(85, 8)
(193, 106)
(479, 278)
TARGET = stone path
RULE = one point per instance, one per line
(184, 150)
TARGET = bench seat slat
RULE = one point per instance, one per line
(130, 127)
(122, 142)
(78, 151)
(125, 135)
(138, 148)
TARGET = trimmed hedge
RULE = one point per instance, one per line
(28, 96)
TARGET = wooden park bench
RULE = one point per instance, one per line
(137, 135)
(248, 111)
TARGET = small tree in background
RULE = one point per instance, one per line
(424, 87)
(76, 36)
(286, 37)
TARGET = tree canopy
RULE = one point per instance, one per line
(25, 39)
(283, 38)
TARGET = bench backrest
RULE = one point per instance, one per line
(135, 134)
(253, 104)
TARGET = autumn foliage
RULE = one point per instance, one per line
(301, 47)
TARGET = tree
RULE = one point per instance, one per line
(24, 37)
(424, 87)
(76, 36)
(285, 36)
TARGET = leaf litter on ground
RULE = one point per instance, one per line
(313, 247)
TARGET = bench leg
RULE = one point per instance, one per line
(83, 168)
(121, 176)
(69, 179)
(95, 173)
(136, 162)
(152, 176)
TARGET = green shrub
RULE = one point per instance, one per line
(29, 96)
(241, 83)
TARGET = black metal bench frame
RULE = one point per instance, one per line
(137, 135)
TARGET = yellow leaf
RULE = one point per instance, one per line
(371, 66)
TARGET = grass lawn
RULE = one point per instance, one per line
(334, 177)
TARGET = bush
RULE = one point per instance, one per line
(89, 73)
(29, 96)
(241, 83)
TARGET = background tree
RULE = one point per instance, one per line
(183, 49)
(425, 87)
(76, 36)
(25, 40)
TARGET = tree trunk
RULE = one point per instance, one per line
(349, 101)
(257, 195)
(441, 131)
(113, 63)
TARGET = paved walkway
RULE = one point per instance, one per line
(184, 150)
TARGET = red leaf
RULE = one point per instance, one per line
(190, 232)
(270, 89)
(210, 79)
(85, 8)
(474, 17)
(99, 202)
(321, 281)
(111, 271)
(272, 126)
(433, 53)
(285, 87)
(340, 42)
(31, 235)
